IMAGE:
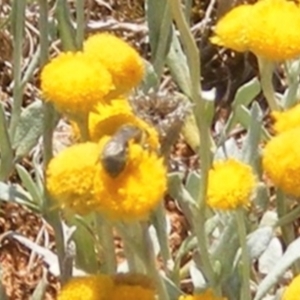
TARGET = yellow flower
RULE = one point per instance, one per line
(268, 37)
(107, 119)
(292, 292)
(230, 184)
(231, 30)
(137, 190)
(286, 120)
(70, 177)
(207, 295)
(258, 28)
(281, 161)
(94, 287)
(74, 83)
(131, 286)
(122, 61)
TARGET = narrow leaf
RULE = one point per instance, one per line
(291, 255)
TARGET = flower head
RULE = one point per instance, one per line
(230, 184)
(292, 292)
(231, 30)
(137, 190)
(95, 287)
(207, 295)
(286, 120)
(132, 286)
(70, 177)
(74, 83)
(268, 37)
(281, 161)
(257, 28)
(123, 62)
(107, 119)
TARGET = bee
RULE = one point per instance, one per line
(115, 152)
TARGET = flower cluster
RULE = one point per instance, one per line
(76, 81)
(104, 287)
(118, 171)
(281, 157)
(257, 28)
(230, 184)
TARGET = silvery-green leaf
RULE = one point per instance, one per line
(40, 290)
(257, 243)
(150, 79)
(197, 277)
(252, 140)
(7, 156)
(269, 258)
(259, 240)
(180, 194)
(222, 253)
(29, 184)
(29, 129)
(262, 196)
(154, 239)
(173, 291)
(193, 184)
(177, 63)
(228, 149)
(16, 194)
(246, 93)
(291, 255)
(269, 218)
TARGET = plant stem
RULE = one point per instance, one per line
(160, 225)
(18, 17)
(150, 263)
(80, 23)
(266, 72)
(245, 293)
(193, 55)
(289, 217)
(287, 230)
(105, 234)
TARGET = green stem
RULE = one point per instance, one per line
(266, 68)
(193, 56)
(160, 225)
(80, 23)
(18, 17)
(245, 293)
(286, 229)
(105, 234)
(150, 263)
(289, 217)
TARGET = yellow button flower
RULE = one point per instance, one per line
(95, 287)
(258, 28)
(137, 190)
(281, 161)
(293, 290)
(74, 83)
(231, 30)
(268, 37)
(286, 120)
(230, 185)
(123, 62)
(207, 295)
(107, 119)
(70, 177)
